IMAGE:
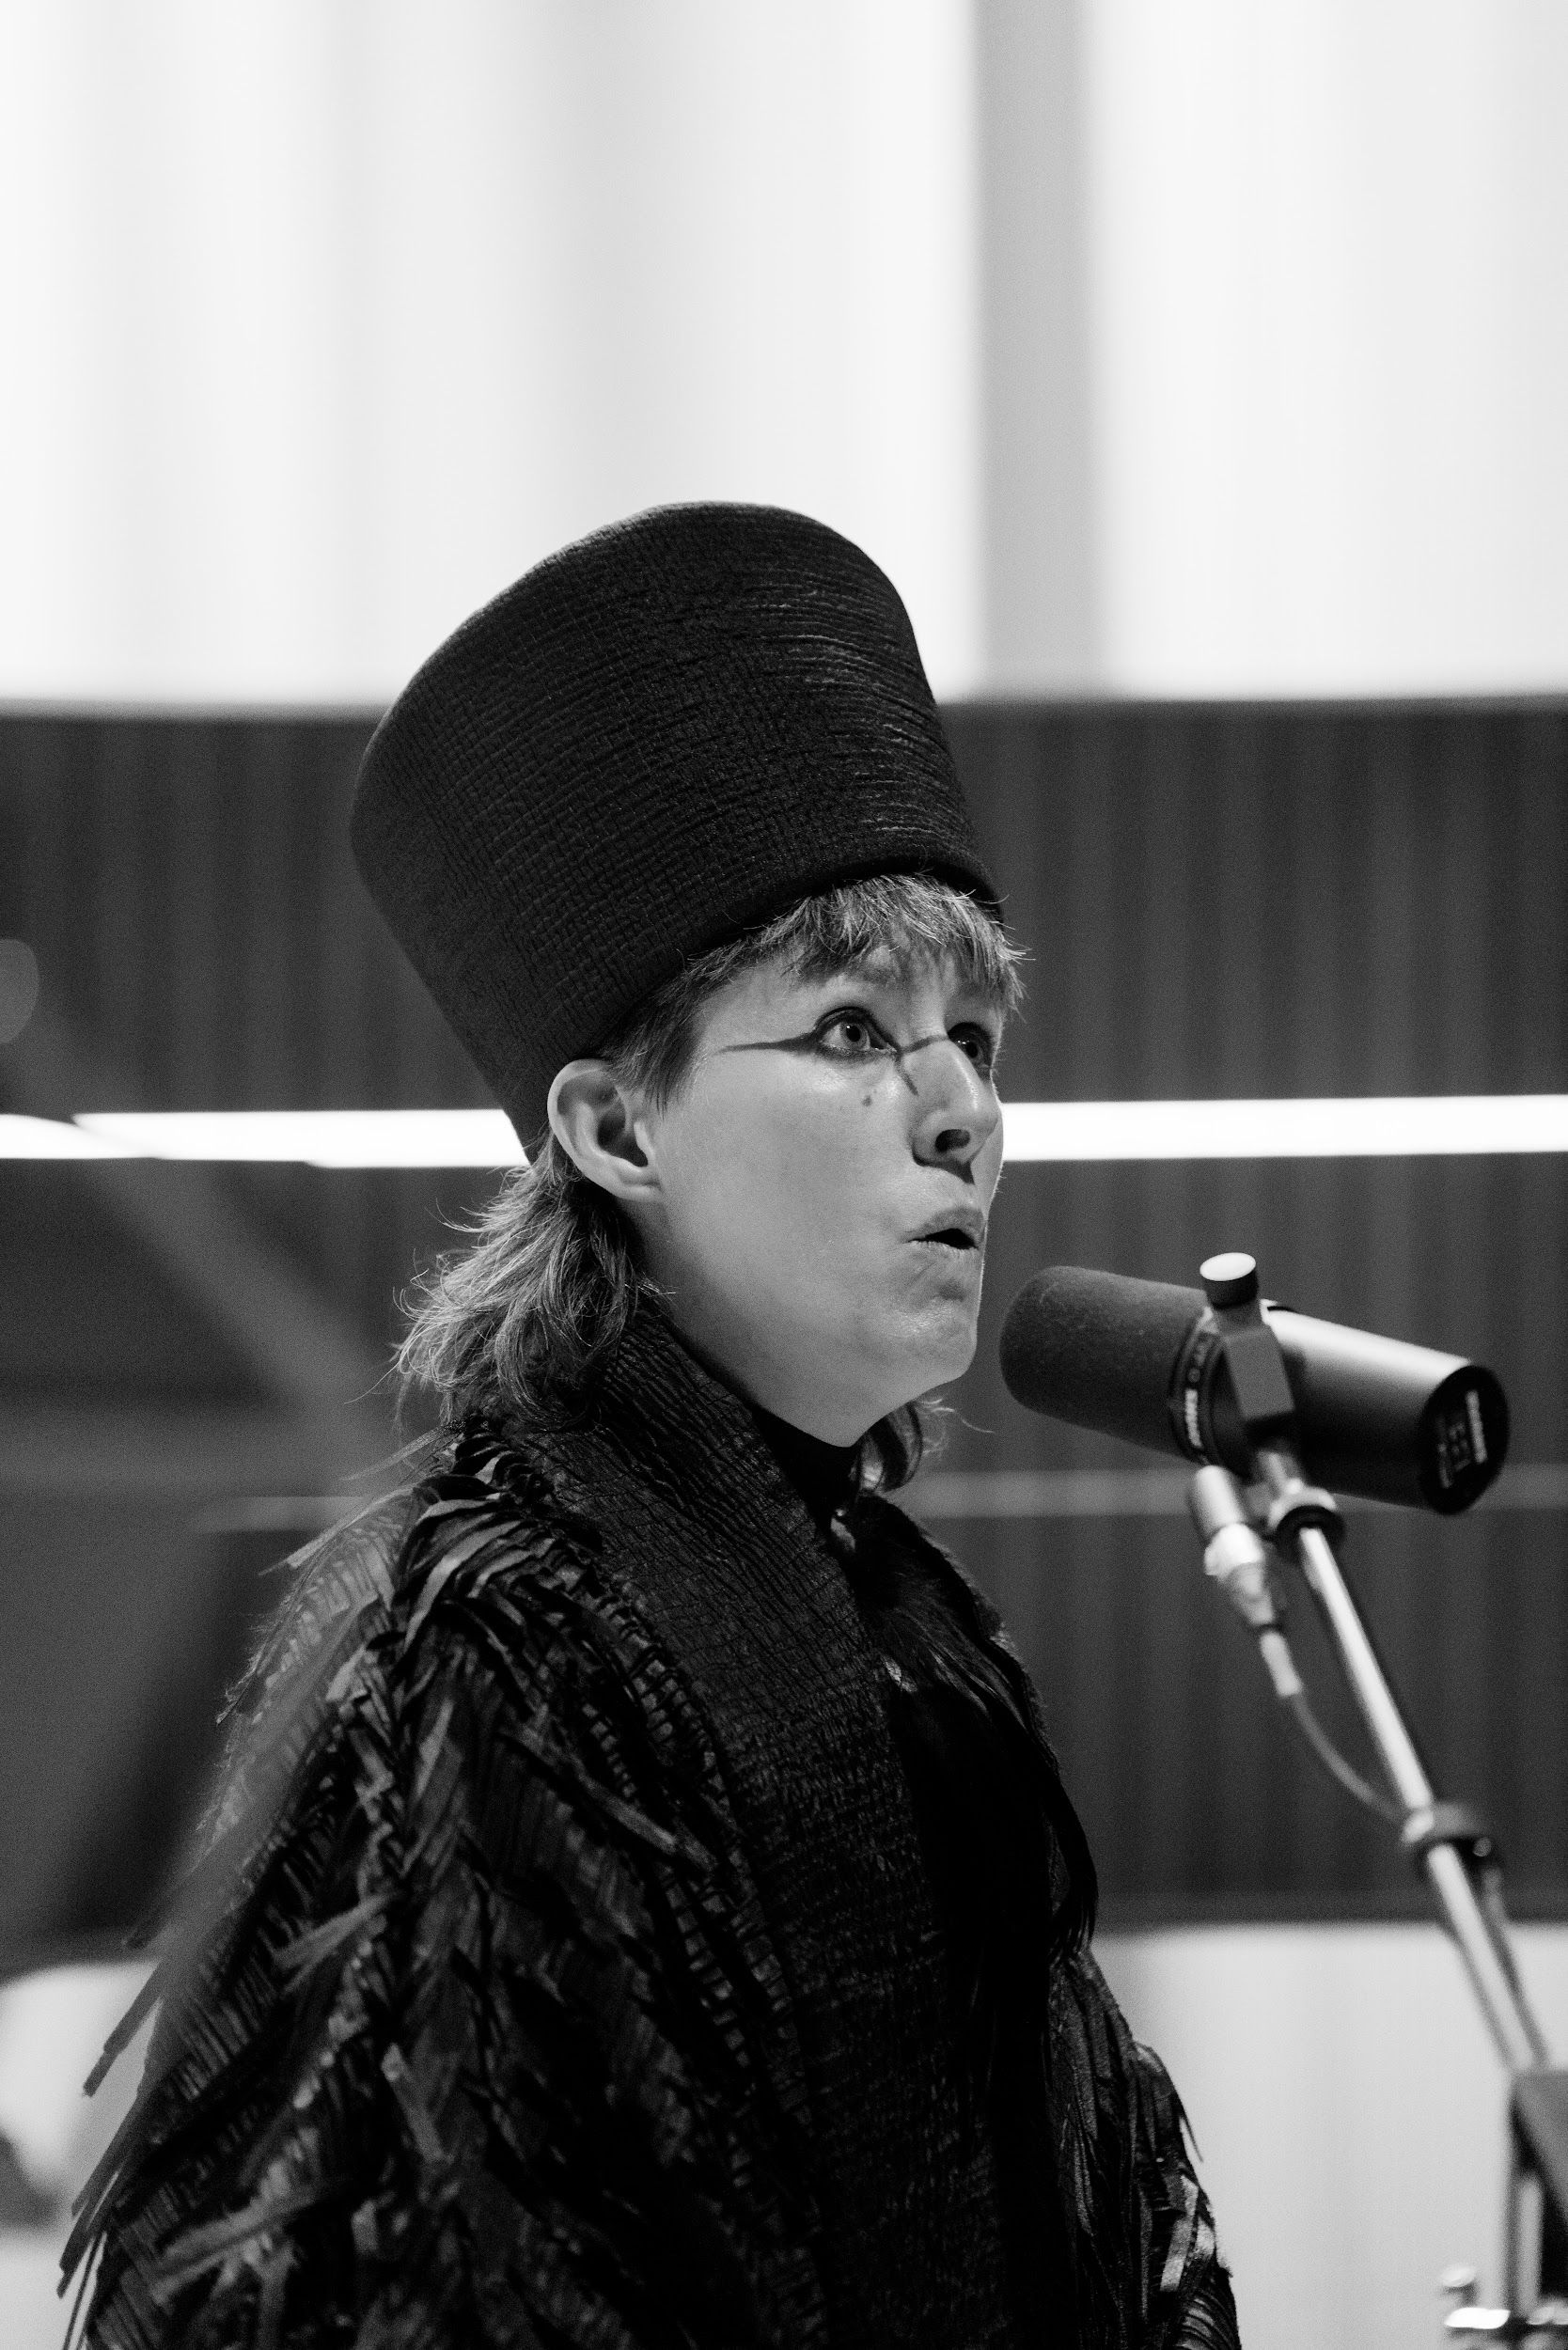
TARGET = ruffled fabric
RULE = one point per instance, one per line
(469, 2053)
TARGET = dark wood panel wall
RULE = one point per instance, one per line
(1218, 902)
(1314, 901)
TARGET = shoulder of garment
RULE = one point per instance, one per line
(468, 2021)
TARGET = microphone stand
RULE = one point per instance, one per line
(1304, 1524)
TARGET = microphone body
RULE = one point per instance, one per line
(1143, 1361)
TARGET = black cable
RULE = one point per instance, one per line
(1329, 1760)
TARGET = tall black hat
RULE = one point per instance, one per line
(659, 737)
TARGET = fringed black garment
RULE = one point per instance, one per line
(584, 1951)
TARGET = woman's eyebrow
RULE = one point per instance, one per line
(882, 969)
(875, 970)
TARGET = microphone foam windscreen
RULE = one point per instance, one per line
(1097, 1349)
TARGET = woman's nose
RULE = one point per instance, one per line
(959, 1111)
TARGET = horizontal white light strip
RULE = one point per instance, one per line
(1416, 1126)
(51, 1138)
(1396, 1127)
(315, 1137)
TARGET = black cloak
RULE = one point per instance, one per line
(565, 1966)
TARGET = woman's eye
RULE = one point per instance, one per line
(851, 1036)
(978, 1046)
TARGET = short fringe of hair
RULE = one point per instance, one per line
(516, 1327)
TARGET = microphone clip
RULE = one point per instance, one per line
(1257, 1433)
(1250, 1349)
(1230, 1395)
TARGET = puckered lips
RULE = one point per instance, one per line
(960, 1229)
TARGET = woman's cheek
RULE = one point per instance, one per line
(988, 1172)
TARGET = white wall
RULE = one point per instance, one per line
(1349, 2110)
(324, 318)
(1328, 254)
(1154, 346)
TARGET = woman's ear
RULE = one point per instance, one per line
(598, 1122)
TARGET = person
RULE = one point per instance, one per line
(642, 1906)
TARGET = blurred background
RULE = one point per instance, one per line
(1197, 369)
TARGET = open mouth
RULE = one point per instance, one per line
(949, 1236)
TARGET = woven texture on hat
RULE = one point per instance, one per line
(663, 734)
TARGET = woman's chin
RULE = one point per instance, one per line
(941, 1349)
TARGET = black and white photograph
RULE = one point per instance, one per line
(783, 1174)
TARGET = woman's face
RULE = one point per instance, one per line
(816, 1198)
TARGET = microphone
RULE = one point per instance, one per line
(1143, 1361)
